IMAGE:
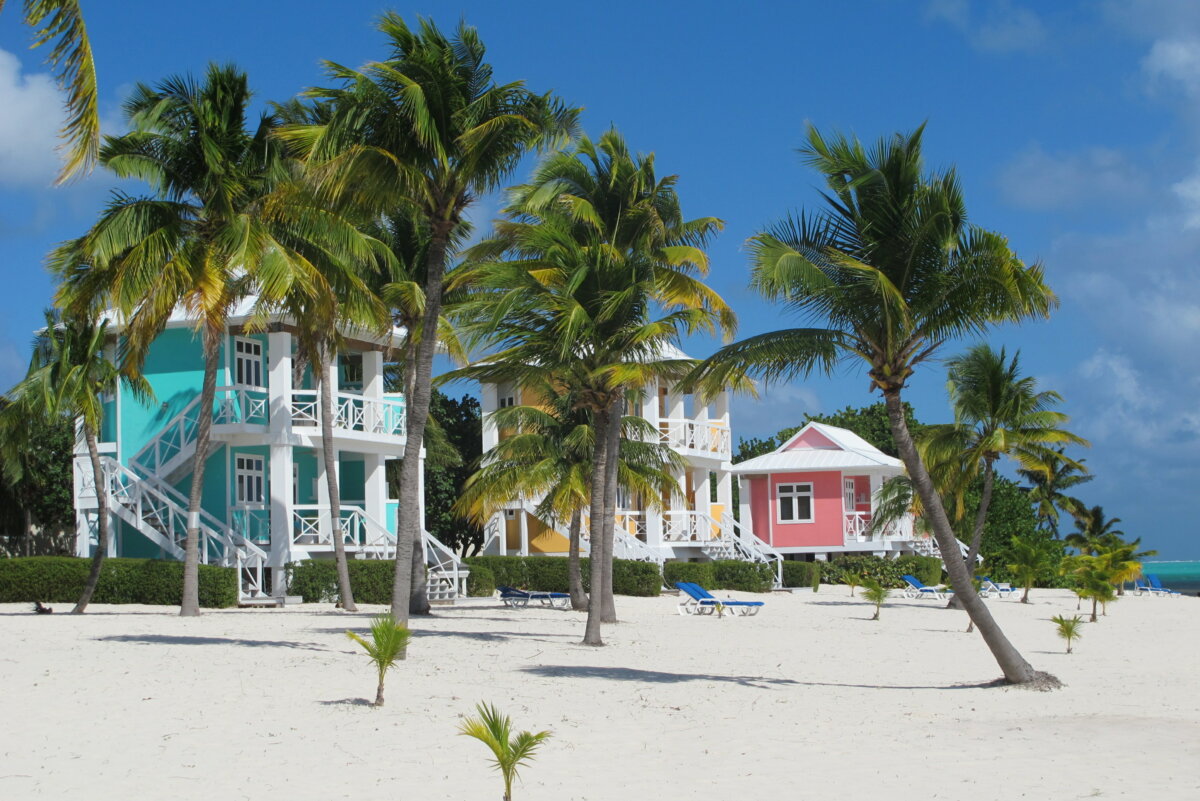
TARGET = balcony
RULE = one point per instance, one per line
(352, 413)
(857, 528)
(703, 438)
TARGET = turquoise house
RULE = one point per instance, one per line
(265, 501)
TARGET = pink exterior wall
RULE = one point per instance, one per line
(812, 439)
(862, 490)
(827, 525)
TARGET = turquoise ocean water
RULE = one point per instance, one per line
(1182, 576)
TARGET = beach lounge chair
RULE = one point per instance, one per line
(519, 599)
(1157, 586)
(1002, 589)
(915, 589)
(700, 601)
(1140, 587)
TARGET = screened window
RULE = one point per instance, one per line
(247, 364)
(794, 502)
(248, 478)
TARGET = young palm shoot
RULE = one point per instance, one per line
(509, 751)
(853, 580)
(1068, 628)
(388, 642)
(875, 593)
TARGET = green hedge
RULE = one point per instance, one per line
(886, 571)
(316, 580)
(722, 574)
(481, 582)
(60, 579)
(549, 574)
(701, 573)
(800, 574)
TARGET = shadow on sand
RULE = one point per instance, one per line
(175, 639)
(759, 682)
(347, 702)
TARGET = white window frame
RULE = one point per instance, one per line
(248, 352)
(249, 471)
(792, 490)
(506, 395)
(849, 494)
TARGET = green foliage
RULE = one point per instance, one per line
(481, 582)
(461, 424)
(851, 580)
(800, 574)
(549, 574)
(1033, 561)
(926, 568)
(885, 571)
(1068, 628)
(316, 580)
(60, 579)
(733, 574)
(1010, 514)
(816, 577)
(701, 573)
(45, 487)
(509, 752)
(388, 643)
(876, 593)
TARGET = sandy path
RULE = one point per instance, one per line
(807, 700)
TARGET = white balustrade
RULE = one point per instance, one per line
(706, 436)
(688, 526)
(352, 412)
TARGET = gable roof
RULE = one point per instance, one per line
(846, 450)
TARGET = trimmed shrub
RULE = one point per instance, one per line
(631, 577)
(509, 571)
(800, 574)
(481, 582)
(701, 573)
(733, 574)
(886, 571)
(926, 568)
(315, 580)
(549, 574)
(60, 579)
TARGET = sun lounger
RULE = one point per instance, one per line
(519, 599)
(915, 589)
(1002, 589)
(1140, 587)
(1157, 586)
(700, 601)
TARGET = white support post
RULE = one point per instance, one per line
(524, 521)
(372, 362)
(744, 517)
(279, 381)
(375, 489)
(489, 400)
(281, 483)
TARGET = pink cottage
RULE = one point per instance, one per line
(814, 496)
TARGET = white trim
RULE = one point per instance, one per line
(794, 492)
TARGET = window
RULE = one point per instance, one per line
(248, 480)
(351, 366)
(247, 365)
(794, 503)
(848, 494)
(507, 394)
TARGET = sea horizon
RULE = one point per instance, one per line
(1177, 574)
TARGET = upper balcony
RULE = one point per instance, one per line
(701, 439)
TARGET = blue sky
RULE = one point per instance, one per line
(1074, 127)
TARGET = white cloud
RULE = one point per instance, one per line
(778, 406)
(1001, 26)
(1175, 59)
(32, 115)
(1098, 176)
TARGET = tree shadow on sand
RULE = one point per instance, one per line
(176, 639)
(347, 702)
(481, 636)
(758, 682)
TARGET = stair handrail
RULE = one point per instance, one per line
(186, 416)
(749, 543)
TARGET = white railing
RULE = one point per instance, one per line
(707, 436)
(688, 526)
(750, 548)
(159, 512)
(246, 405)
(352, 412)
(632, 523)
(625, 545)
(857, 528)
(252, 523)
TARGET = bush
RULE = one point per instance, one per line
(481, 582)
(926, 568)
(631, 577)
(509, 571)
(701, 573)
(733, 574)
(315, 580)
(886, 571)
(549, 574)
(800, 574)
(60, 579)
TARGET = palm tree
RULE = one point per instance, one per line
(887, 273)
(71, 62)
(997, 412)
(596, 243)
(549, 456)
(428, 131)
(509, 751)
(223, 223)
(875, 593)
(1068, 628)
(1094, 533)
(388, 643)
(1094, 579)
(1050, 483)
(69, 376)
(1031, 558)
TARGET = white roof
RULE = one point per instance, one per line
(848, 451)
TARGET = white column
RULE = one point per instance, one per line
(279, 381)
(725, 491)
(281, 483)
(421, 490)
(524, 522)
(489, 400)
(744, 517)
(375, 486)
(372, 362)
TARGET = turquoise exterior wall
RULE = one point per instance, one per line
(352, 480)
(306, 464)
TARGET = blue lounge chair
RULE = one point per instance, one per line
(701, 602)
(915, 589)
(519, 599)
(1002, 589)
(1141, 587)
(1157, 586)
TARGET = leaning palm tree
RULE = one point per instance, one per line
(68, 377)
(427, 130)
(997, 412)
(509, 751)
(887, 273)
(596, 246)
(71, 62)
(222, 224)
(1050, 483)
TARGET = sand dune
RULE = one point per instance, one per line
(808, 700)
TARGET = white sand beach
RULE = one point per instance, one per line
(807, 700)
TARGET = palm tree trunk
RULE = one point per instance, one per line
(332, 485)
(1094, 610)
(1016, 670)
(190, 603)
(27, 513)
(418, 596)
(408, 522)
(89, 587)
(579, 599)
(608, 605)
(591, 633)
(379, 693)
(985, 500)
